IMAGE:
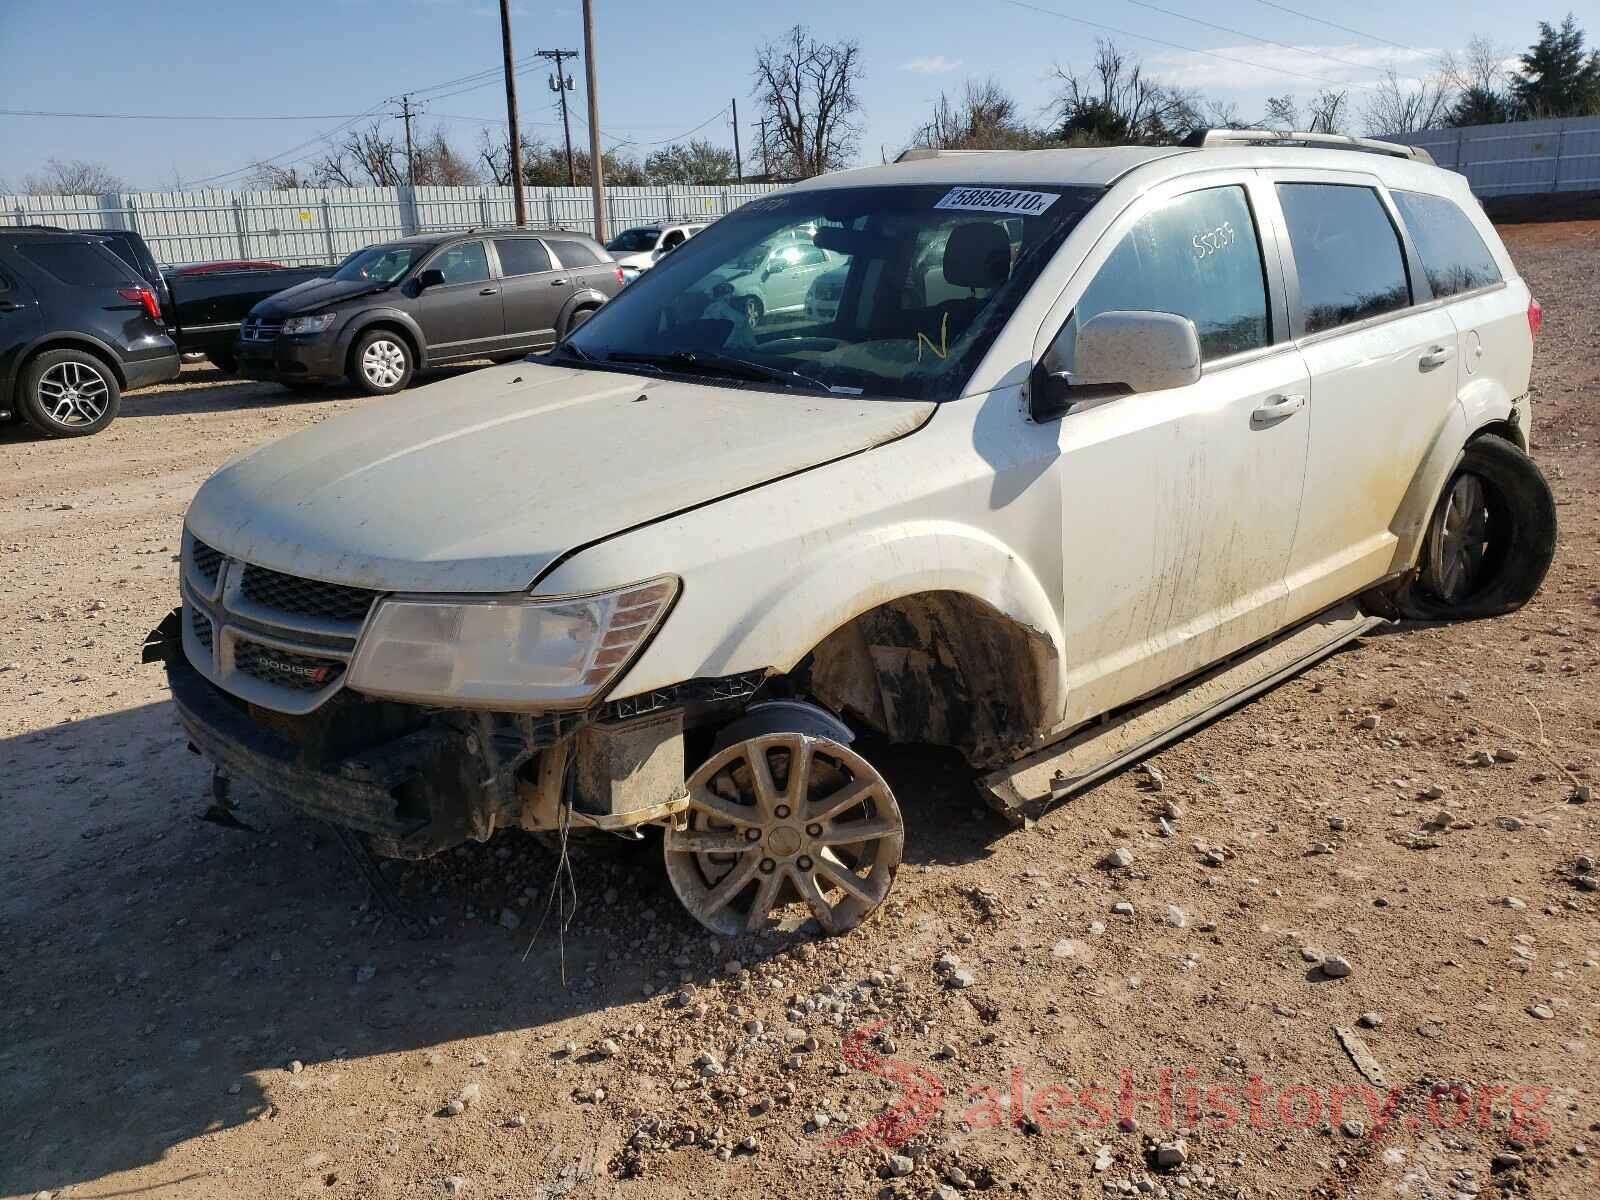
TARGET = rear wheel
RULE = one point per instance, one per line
(579, 317)
(69, 393)
(784, 825)
(753, 310)
(1489, 543)
(381, 363)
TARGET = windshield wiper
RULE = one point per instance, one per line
(715, 362)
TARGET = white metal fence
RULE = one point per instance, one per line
(1521, 158)
(320, 225)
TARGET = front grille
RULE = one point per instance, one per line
(201, 624)
(282, 668)
(305, 597)
(255, 329)
(206, 560)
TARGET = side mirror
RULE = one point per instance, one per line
(1142, 351)
(432, 277)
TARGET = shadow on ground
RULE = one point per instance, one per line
(158, 964)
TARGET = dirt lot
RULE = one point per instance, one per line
(189, 1011)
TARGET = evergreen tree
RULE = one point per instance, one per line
(1558, 78)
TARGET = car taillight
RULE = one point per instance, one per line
(145, 297)
(621, 278)
(1535, 318)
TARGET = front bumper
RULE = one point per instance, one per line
(290, 359)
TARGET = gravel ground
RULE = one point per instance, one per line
(187, 1011)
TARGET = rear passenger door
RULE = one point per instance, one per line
(533, 291)
(1179, 506)
(1383, 377)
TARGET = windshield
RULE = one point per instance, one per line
(632, 241)
(379, 264)
(885, 291)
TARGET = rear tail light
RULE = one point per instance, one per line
(621, 278)
(1535, 317)
(145, 297)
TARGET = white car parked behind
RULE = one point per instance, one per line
(641, 247)
(1092, 445)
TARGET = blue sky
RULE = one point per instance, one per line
(661, 74)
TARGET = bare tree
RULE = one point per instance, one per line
(807, 92)
(985, 117)
(362, 158)
(1403, 106)
(436, 161)
(1117, 102)
(691, 162)
(1283, 112)
(272, 177)
(75, 178)
(1223, 114)
(1329, 112)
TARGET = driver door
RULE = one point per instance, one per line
(463, 315)
(1179, 507)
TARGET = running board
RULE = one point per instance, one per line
(1025, 788)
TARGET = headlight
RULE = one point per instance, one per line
(507, 652)
(320, 323)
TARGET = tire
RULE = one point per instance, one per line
(754, 310)
(224, 361)
(68, 393)
(754, 843)
(579, 317)
(381, 363)
(1489, 543)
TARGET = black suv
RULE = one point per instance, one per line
(78, 327)
(396, 308)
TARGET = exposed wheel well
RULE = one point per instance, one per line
(588, 306)
(1509, 430)
(394, 327)
(936, 667)
(68, 343)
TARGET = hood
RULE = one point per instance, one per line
(313, 294)
(478, 484)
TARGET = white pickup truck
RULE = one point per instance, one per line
(1093, 444)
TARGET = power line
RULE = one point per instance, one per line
(1335, 25)
(98, 116)
(1145, 37)
(1169, 12)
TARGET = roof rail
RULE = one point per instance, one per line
(918, 153)
(1211, 139)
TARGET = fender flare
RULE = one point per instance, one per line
(69, 340)
(368, 317)
(580, 298)
(1483, 404)
(825, 591)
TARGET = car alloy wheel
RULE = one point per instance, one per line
(1458, 544)
(780, 819)
(383, 363)
(73, 394)
(752, 311)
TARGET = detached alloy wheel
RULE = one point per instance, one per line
(1489, 543)
(381, 363)
(781, 819)
(69, 393)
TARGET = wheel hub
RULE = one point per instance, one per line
(784, 841)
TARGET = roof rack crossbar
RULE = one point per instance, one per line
(1211, 139)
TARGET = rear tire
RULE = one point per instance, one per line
(68, 393)
(577, 319)
(381, 363)
(1489, 543)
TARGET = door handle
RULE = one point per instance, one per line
(1436, 356)
(1276, 408)
(488, 291)
(558, 282)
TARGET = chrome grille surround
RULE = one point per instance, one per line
(254, 329)
(275, 640)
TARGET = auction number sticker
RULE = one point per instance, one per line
(1000, 200)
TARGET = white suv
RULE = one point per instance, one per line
(1093, 444)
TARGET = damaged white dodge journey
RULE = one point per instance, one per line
(1080, 448)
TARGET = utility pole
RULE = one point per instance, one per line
(597, 181)
(406, 113)
(517, 197)
(738, 159)
(562, 84)
(766, 167)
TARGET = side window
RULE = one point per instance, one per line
(675, 238)
(1452, 252)
(1346, 252)
(1197, 256)
(466, 263)
(78, 262)
(521, 256)
(574, 254)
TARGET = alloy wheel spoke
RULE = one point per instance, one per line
(853, 793)
(761, 906)
(761, 781)
(847, 879)
(850, 833)
(708, 802)
(815, 900)
(731, 884)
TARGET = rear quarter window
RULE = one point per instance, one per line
(1454, 256)
(574, 254)
(1346, 253)
(77, 263)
